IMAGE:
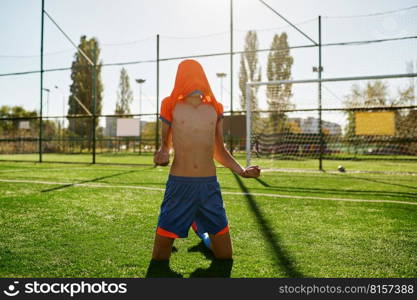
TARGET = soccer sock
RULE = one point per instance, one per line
(202, 235)
(206, 239)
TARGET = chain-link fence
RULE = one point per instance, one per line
(286, 120)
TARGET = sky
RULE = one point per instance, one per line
(127, 30)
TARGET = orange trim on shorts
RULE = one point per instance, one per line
(223, 231)
(162, 232)
(194, 226)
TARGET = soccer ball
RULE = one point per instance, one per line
(341, 168)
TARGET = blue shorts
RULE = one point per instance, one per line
(189, 200)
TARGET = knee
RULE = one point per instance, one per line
(224, 256)
(159, 257)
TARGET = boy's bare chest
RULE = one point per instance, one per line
(202, 117)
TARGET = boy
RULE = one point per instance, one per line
(192, 122)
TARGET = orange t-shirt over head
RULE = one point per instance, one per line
(190, 78)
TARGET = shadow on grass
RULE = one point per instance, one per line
(218, 267)
(283, 260)
(90, 180)
(200, 247)
(262, 182)
(161, 269)
(380, 181)
(341, 191)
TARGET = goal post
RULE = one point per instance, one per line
(248, 125)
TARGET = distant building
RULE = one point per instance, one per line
(311, 125)
(333, 128)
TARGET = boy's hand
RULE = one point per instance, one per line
(251, 172)
(161, 158)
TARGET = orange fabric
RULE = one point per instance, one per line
(190, 77)
(194, 226)
(166, 233)
(166, 109)
(223, 231)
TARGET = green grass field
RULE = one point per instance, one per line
(361, 163)
(81, 220)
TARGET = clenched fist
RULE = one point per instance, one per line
(161, 158)
(251, 172)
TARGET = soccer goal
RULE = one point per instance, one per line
(363, 117)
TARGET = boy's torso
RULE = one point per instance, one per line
(193, 136)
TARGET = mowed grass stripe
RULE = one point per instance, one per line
(68, 184)
(323, 185)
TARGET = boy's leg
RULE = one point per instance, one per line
(178, 204)
(162, 247)
(221, 245)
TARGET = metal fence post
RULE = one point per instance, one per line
(231, 77)
(41, 84)
(94, 99)
(320, 69)
(157, 95)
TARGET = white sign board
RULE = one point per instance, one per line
(24, 125)
(127, 127)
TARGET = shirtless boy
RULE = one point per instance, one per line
(192, 124)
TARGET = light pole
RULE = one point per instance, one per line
(63, 115)
(140, 81)
(221, 76)
(63, 100)
(47, 101)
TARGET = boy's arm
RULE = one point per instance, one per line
(166, 138)
(161, 157)
(226, 159)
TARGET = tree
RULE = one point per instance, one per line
(11, 127)
(124, 98)
(249, 70)
(407, 130)
(82, 89)
(124, 95)
(148, 134)
(411, 67)
(407, 121)
(279, 68)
